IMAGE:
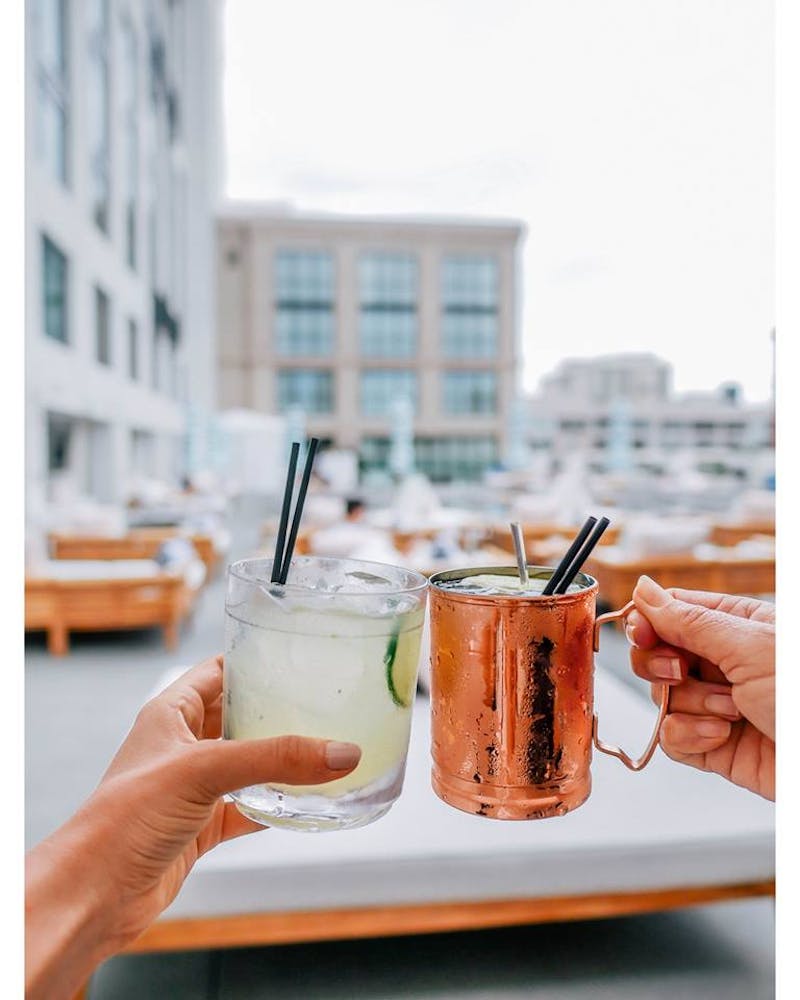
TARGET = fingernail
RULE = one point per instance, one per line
(651, 593)
(711, 727)
(721, 704)
(668, 668)
(342, 756)
(630, 633)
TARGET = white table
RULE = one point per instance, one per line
(666, 837)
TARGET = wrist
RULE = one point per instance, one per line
(69, 911)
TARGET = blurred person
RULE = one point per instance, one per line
(354, 538)
(354, 510)
(717, 653)
(97, 882)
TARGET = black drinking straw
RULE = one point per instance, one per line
(583, 555)
(277, 562)
(298, 510)
(569, 555)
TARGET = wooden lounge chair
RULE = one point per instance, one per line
(138, 543)
(87, 596)
(617, 578)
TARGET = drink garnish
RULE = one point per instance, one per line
(401, 671)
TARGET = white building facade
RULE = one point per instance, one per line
(122, 175)
(619, 412)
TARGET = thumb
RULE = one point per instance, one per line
(222, 766)
(721, 638)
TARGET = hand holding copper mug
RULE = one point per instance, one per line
(717, 653)
(512, 688)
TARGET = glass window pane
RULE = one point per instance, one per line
(304, 333)
(388, 305)
(52, 86)
(59, 437)
(308, 388)
(374, 453)
(469, 335)
(133, 349)
(129, 85)
(102, 326)
(99, 122)
(304, 277)
(380, 388)
(304, 303)
(469, 304)
(54, 291)
(450, 458)
(388, 334)
(52, 36)
(467, 392)
(388, 279)
(469, 281)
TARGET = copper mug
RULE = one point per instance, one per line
(512, 697)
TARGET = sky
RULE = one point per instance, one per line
(633, 138)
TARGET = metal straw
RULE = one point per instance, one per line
(519, 548)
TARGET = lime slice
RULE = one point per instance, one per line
(400, 660)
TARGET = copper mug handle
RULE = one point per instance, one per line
(644, 760)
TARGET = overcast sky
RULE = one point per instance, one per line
(634, 138)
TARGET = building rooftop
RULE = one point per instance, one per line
(286, 213)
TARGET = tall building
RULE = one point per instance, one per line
(340, 317)
(122, 174)
(619, 411)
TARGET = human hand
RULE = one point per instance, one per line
(717, 652)
(102, 878)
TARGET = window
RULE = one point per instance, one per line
(304, 303)
(469, 392)
(102, 327)
(310, 389)
(374, 453)
(449, 458)
(59, 436)
(99, 123)
(129, 86)
(133, 349)
(54, 291)
(380, 387)
(53, 87)
(388, 297)
(469, 304)
(441, 459)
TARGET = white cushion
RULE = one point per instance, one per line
(667, 827)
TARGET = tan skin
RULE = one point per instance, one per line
(157, 809)
(159, 806)
(717, 653)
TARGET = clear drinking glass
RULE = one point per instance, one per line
(333, 653)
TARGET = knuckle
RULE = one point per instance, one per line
(293, 753)
(195, 768)
(692, 620)
(694, 615)
(150, 711)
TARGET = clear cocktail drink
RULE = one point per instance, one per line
(331, 654)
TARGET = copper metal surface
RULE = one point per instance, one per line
(512, 691)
